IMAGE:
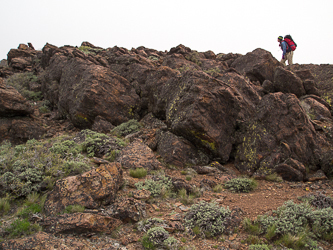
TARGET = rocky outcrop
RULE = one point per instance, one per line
(258, 65)
(22, 58)
(12, 103)
(91, 189)
(83, 88)
(80, 223)
(280, 131)
(225, 107)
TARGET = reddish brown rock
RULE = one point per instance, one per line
(22, 58)
(80, 223)
(42, 240)
(18, 130)
(12, 103)
(138, 155)
(287, 82)
(179, 152)
(258, 65)
(91, 189)
(82, 87)
(128, 209)
(280, 130)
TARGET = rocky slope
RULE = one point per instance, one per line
(220, 116)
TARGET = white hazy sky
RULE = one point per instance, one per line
(237, 26)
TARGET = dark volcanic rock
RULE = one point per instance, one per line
(178, 151)
(287, 82)
(83, 89)
(258, 65)
(280, 130)
(206, 111)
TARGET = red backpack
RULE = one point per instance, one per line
(292, 45)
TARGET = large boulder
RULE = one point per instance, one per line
(288, 82)
(280, 130)
(258, 65)
(206, 111)
(91, 189)
(83, 89)
(12, 103)
(22, 58)
(18, 130)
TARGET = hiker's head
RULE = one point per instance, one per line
(280, 38)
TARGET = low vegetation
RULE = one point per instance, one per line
(23, 83)
(241, 184)
(207, 219)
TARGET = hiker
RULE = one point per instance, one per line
(288, 50)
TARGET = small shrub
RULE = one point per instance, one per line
(253, 239)
(259, 247)
(155, 185)
(218, 188)
(27, 211)
(241, 184)
(184, 197)
(127, 128)
(74, 209)
(138, 173)
(22, 227)
(252, 228)
(21, 82)
(273, 177)
(188, 177)
(147, 224)
(32, 198)
(209, 217)
(4, 205)
(157, 237)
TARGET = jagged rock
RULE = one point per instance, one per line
(142, 194)
(311, 87)
(317, 176)
(88, 44)
(78, 223)
(268, 87)
(258, 65)
(179, 184)
(18, 130)
(316, 108)
(228, 58)
(12, 103)
(279, 131)
(91, 189)
(84, 89)
(128, 209)
(291, 170)
(138, 155)
(101, 125)
(178, 151)
(21, 58)
(42, 240)
(287, 82)
(206, 110)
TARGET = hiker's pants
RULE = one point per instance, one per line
(288, 57)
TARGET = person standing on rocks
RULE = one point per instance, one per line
(287, 51)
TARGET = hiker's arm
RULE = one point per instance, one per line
(284, 48)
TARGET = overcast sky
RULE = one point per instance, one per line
(237, 26)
